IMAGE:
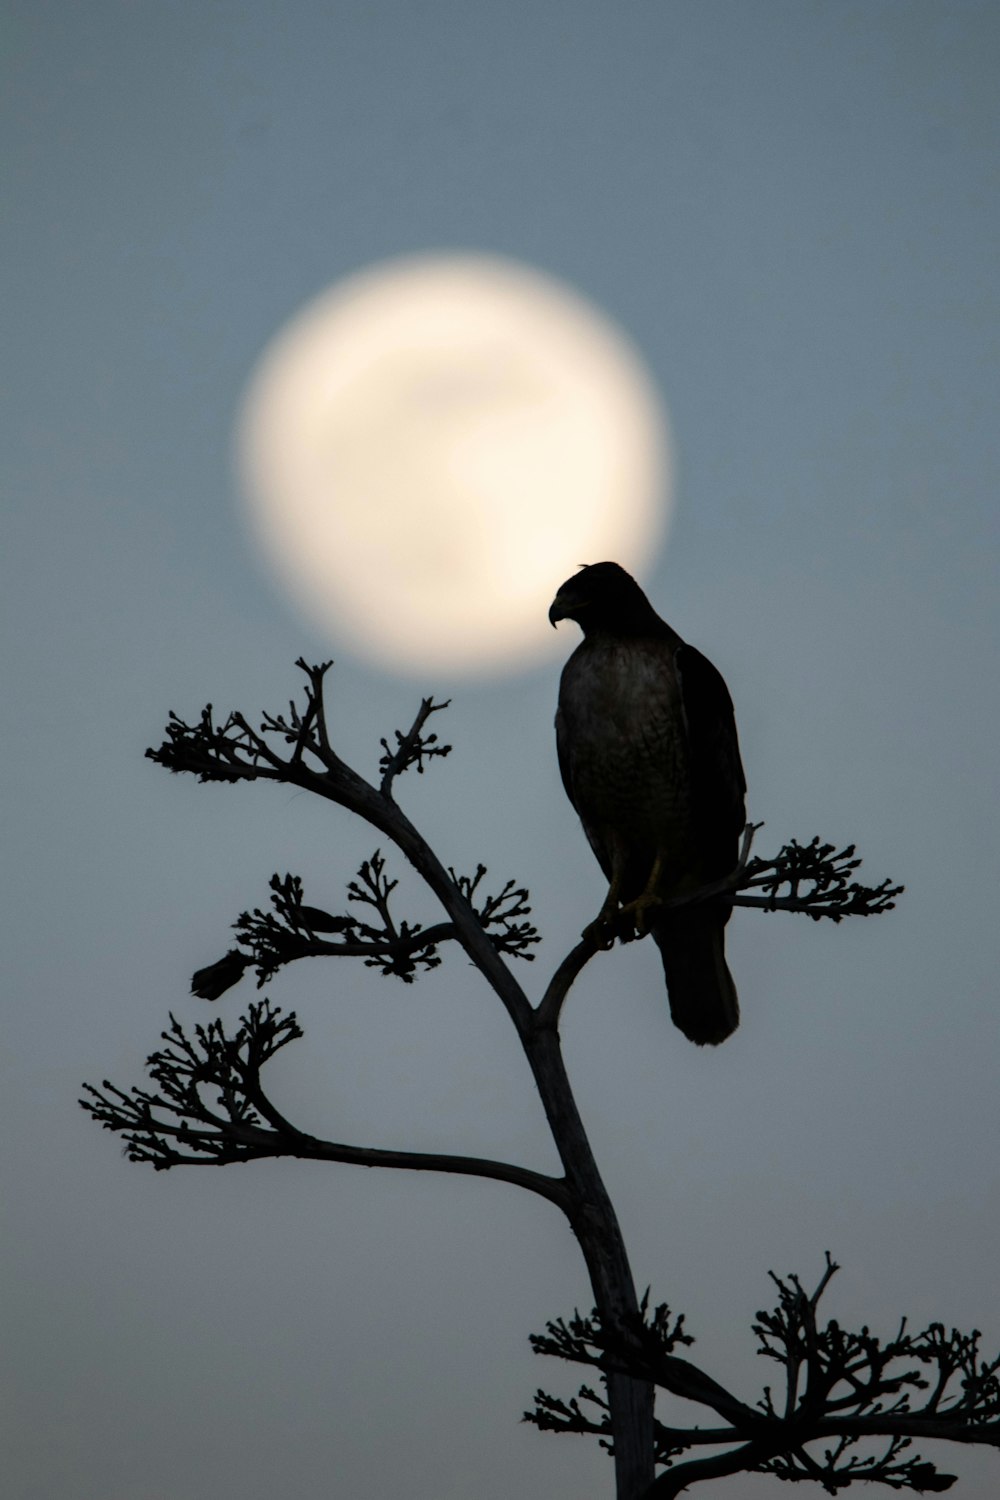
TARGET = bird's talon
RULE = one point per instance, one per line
(636, 913)
(600, 932)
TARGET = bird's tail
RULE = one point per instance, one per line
(700, 988)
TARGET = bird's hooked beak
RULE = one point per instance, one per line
(570, 599)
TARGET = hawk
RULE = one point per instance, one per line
(650, 761)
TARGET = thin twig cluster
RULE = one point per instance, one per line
(209, 1106)
(292, 930)
(814, 878)
(232, 750)
(270, 939)
(499, 914)
(412, 748)
(849, 1410)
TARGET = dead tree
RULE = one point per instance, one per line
(207, 1105)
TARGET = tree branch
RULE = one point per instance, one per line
(817, 876)
(550, 1006)
(211, 1108)
(412, 748)
(233, 751)
(857, 1389)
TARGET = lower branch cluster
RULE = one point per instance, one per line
(850, 1407)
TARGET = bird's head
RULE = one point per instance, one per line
(603, 597)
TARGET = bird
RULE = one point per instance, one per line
(650, 760)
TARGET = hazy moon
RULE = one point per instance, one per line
(434, 444)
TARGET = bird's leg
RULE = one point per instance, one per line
(601, 930)
(638, 910)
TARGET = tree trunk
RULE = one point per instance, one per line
(595, 1225)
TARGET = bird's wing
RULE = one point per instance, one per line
(564, 751)
(718, 784)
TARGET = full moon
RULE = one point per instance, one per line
(430, 447)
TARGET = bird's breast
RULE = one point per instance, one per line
(623, 733)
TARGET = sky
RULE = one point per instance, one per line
(790, 208)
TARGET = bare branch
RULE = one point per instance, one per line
(816, 875)
(851, 1403)
(233, 751)
(211, 1108)
(550, 1414)
(817, 879)
(271, 939)
(497, 914)
(562, 981)
(289, 932)
(843, 1389)
(412, 748)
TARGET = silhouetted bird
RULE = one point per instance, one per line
(650, 760)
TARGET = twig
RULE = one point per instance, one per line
(412, 748)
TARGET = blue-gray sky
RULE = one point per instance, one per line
(791, 208)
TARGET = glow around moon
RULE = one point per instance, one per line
(433, 445)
